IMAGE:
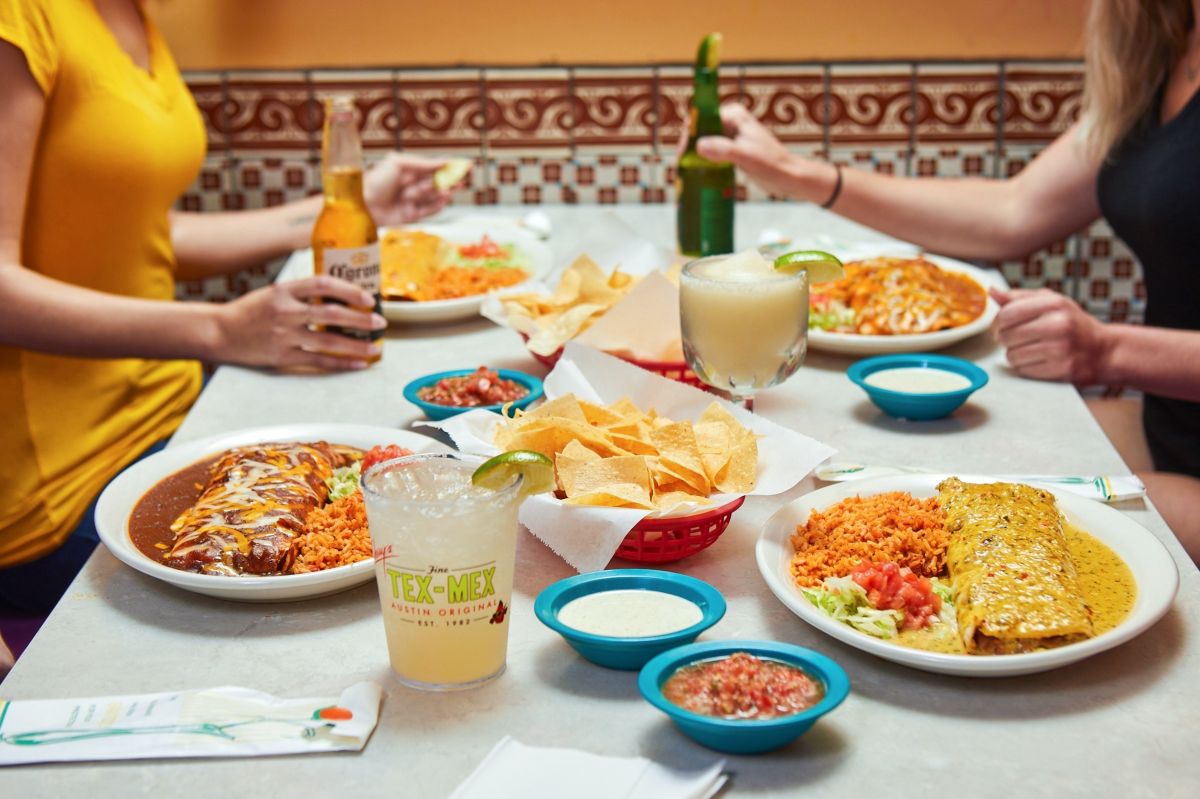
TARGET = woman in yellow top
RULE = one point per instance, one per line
(96, 358)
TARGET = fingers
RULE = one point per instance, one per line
(331, 288)
(341, 347)
(323, 362)
(1025, 306)
(734, 116)
(332, 315)
(416, 164)
(717, 148)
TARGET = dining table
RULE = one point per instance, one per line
(1115, 724)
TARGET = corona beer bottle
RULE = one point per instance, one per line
(345, 241)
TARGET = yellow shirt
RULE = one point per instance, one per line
(117, 146)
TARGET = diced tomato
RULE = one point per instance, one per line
(485, 248)
(379, 454)
(892, 587)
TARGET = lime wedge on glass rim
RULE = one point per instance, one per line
(821, 266)
(498, 472)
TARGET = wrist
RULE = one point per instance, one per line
(814, 181)
(1108, 367)
(212, 331)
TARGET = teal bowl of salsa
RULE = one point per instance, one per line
(445, 394)
(743, 697)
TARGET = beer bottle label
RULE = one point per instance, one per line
(360, 266)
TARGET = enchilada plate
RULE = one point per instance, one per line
(862, 344)
(123, 493)
(468, 231)
(1154, 573)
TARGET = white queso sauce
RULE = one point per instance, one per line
(917, 380)
(630, 613)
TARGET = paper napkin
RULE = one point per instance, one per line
(588, 537)
(215, 722)
(513, 770)
(643, 325)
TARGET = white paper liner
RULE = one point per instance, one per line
(588, 537)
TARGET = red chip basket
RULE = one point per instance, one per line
(672, 370)
(662, 540)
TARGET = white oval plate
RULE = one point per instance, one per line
(123, 493)
(860, 344)
(499, 230)
(467, 232)
(1153, 570)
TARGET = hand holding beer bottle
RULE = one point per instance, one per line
(344, 239)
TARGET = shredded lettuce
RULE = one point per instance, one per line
(943, 590)
(846, 601)
(343, 483)
(833, 316)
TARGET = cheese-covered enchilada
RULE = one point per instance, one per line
(252, 507)
(1015, 585)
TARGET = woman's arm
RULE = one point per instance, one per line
(1052, 197)
(1049, 337)
(397, 189)
(266, 327)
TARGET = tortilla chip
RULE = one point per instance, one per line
(625, 480)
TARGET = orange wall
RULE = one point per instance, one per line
(218, 34)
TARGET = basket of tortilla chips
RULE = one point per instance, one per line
(583, 295)
(619, 456)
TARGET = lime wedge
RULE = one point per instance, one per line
(821, 266)
(709, 55)
(496, 473)
(450, 173)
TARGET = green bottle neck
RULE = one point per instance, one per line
(705, 100)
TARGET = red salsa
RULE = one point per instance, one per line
(482, 387)
(743, 686)
(380, 453)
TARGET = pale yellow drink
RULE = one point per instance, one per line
(444, 552)
(744, 324)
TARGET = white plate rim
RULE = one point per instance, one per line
(1154, 571)
(861, 344)
(466, 231)
(119, 497)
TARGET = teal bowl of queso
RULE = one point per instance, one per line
(621, 618)
(438, 393)
(917, 386)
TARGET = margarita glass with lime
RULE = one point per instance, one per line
(444, 552)
(744, 319)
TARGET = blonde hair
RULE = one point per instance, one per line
(1131, 47)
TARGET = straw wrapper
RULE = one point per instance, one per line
(215, 722)
(588, 537)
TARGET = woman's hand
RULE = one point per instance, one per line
(273, 326)
(755, 150)
(1049, 337)
(6, 658)
(400, 189)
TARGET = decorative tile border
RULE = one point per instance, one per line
(608, 135)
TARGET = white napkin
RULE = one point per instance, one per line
(644, 324)
(513, 770)
(215, 722)
(588, 537)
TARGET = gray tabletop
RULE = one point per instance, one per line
(1119, 723)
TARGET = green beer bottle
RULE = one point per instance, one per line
(704, 189)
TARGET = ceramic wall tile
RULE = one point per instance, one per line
(441, 110)
(528, 110)
(871, 103)
(614, 110)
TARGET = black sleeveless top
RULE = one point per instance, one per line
(1149, 191)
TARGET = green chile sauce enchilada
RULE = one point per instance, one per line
(1009, 574)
